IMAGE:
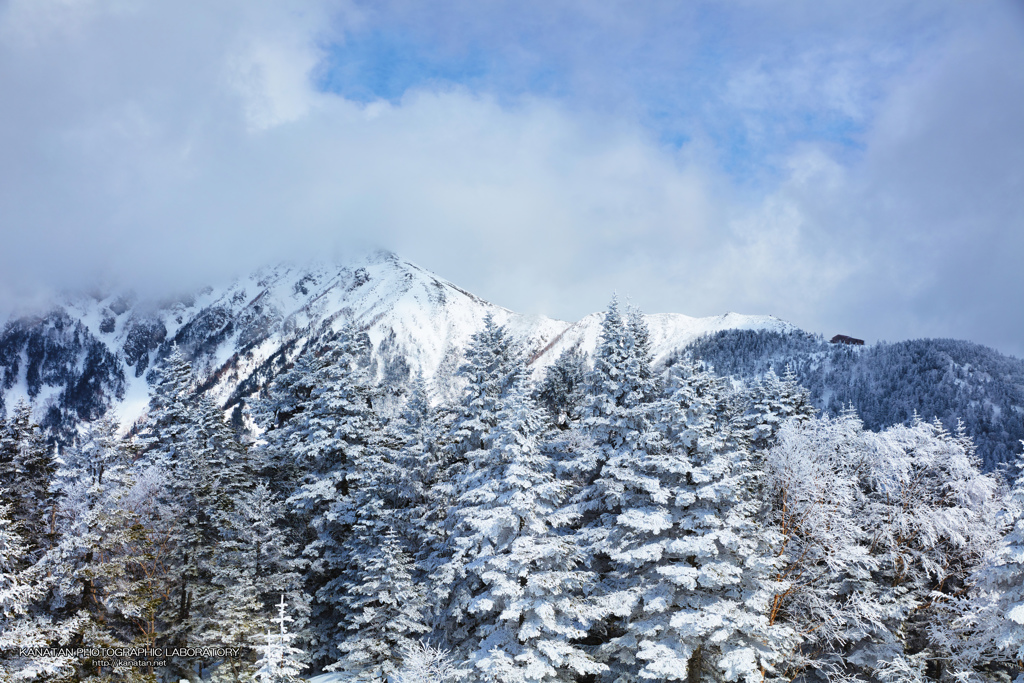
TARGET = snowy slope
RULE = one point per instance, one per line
(669, 332)
(230, 331)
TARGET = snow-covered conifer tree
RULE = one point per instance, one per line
(491, 370)
(617, 433)
(277, 412)
(689, 569)
(280, 661)
(774, 401)
(26, 471)
(179, 446)
(229, 462)
(336, 431)
(85, 565)
(23, 622)
(171, 415)
(385, 608)
(517, 584)
(621, 384)
(617, 412)
(563, 389)
(255, 562)
(419, 470)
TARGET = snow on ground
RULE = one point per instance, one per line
(135, 402)
(333, 677)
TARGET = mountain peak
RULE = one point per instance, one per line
(233, 332)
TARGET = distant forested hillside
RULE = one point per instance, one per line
(887, 383)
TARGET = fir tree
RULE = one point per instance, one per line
(87, 567)
(563, 389)
(617, 433)
(338, 428)
(419, 472)
(385, 607)
(171, 411)
(185, 515)
(280, 661)
(255, 563)
(621, 392)
(491, 370)
(519, 585)
(22, 623)
(26, 471)
(277, 413)
(774, 401)
(689, 568)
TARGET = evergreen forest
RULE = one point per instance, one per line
(610, 522)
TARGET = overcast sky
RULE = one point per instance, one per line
(852, 167)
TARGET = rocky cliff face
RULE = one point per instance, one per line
(89, 354)
(57, 364)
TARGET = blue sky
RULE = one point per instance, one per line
(852, 167)
(677, 73)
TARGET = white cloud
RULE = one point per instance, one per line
(176, 143)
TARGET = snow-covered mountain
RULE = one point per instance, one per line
(91, 352)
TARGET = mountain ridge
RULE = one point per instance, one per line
(93, 352)
(90, 353)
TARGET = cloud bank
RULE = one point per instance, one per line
(848, 170)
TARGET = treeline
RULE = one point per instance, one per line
(891, 383)
(610, 523)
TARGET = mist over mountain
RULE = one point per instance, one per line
(92, 353)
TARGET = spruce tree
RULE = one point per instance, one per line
(280, 661)
(492, 369)
(255, 563)
(617, 432)
(24, 622)
(385, 608)
(277, 413)
(532, 573)
(333, 434)
(87, 565)
(990, 621)
(517, 583)
(171, 414)
(772, 402)
(689, 568)
(563, 389)
(26, 472)
(185, 515)
(617, 411)
(419, 472)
